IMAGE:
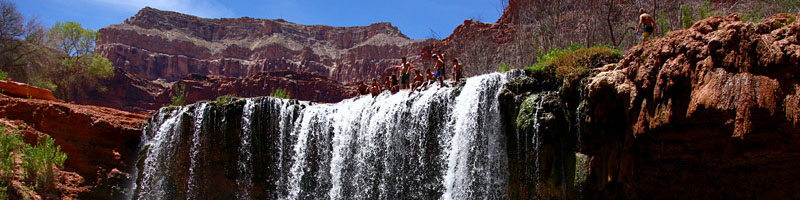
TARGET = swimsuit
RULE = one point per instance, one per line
(458, 75)
(648, 28)
(404, 78)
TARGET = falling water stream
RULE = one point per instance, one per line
(441, 143)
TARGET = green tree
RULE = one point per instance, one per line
(81, 68)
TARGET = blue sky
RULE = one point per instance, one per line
(416, 18)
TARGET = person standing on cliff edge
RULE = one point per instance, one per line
(439, 67)
(649, 24)
(405, 74)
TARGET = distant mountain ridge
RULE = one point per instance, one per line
(156, 44)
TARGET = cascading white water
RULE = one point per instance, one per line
(194, 152)
(441, 143)
(160, 137)
(244, 181)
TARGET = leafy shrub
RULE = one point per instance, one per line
(9, 143)
(503, 67)
(179, 97)
(535, 69)
(574, 61)
(37, 161)
(280, 93)
(3, 75)
(40, 160)
(224, 99)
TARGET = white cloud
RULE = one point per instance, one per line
(200, 8)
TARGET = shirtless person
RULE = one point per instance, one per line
(456, 70)
(439, 67)
(649, 24)
(362, 88)
(429, 78)
(388, 84)
(405, 76)
(418, 80)
(376, 87)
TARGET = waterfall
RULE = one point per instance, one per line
(245, 155)
(195, 150)
(161, 135)
(440, 143)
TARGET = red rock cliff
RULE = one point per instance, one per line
(712, 112)
(100, 143)
(157, 44)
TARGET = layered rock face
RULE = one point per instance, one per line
(130, 93)
(157, 44)
(100, 143)
(708, 112)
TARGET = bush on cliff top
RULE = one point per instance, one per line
(574, 61)
(280, 93)
(179, 95)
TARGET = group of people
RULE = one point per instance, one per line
(404, 80)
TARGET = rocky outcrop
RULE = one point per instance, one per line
(16, 89)
(157, 44)
(129, 93)
(709, 112)
(100, 143)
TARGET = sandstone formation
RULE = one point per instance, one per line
(100, 143)
(127, 92)
(16, 89)
(157, 44)
(709, 112)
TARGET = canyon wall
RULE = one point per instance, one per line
(157, 44)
